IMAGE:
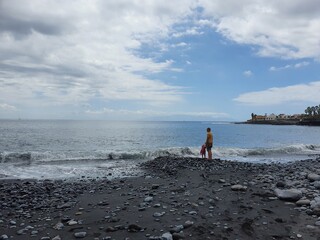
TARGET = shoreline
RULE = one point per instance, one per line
(175, 198)
(306, 122)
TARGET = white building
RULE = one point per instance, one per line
(271, 117)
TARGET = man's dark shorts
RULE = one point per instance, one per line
(209, 147)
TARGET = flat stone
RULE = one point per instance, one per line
(72, 222)
(288, 194)
(187, 224)
(148, 199)
(66, 205)
(56, 238)
(313, 177)
(80, 234)
(157, 214)
(303, 202)
(238, 187)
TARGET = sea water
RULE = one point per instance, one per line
(72, 149)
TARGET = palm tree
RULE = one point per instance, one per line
(308, 111)
(316, 110)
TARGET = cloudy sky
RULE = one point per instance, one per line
(158, 60)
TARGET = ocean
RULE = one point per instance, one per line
(66, 149)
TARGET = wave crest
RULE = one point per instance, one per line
(221, 152)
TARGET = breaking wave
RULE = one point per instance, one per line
(27, 158)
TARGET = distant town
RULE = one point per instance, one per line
(311, 117)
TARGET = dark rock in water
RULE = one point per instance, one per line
(17, 157)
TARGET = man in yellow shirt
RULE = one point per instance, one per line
(209, 143)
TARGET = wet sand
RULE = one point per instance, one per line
(176, 198)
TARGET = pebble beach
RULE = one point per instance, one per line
(174, 198)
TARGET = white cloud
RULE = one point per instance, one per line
(7, 107)
(189, 32)
(181, 44)
(149, 113)
(284, 95)
(288, 66)
(85, 50)
(248, 73)
(285, 29)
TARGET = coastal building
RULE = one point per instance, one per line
(259, 118)
(283, 116)
(297, 116)
(271, 117)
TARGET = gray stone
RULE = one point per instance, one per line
(302, 202)
(148, 199)
(80, 234)
(177, 236)
(187, 224)
(56, 238)
(66, 205)
(21, 231)
(155, 186)
(134, 228)
(157, 214)
(34, 232)
(58, 226)
(72, 222)
(222, 181)
(238, 187)
(288, 194)
(315, 203)
(177, 229)
(316, 211)
(317, 185)
(313, 177)
(4, 237)
(166, 236)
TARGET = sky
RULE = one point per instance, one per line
(205, 60)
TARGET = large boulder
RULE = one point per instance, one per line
(288, 194)
(313, 177)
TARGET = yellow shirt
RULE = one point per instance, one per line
(209, 138)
